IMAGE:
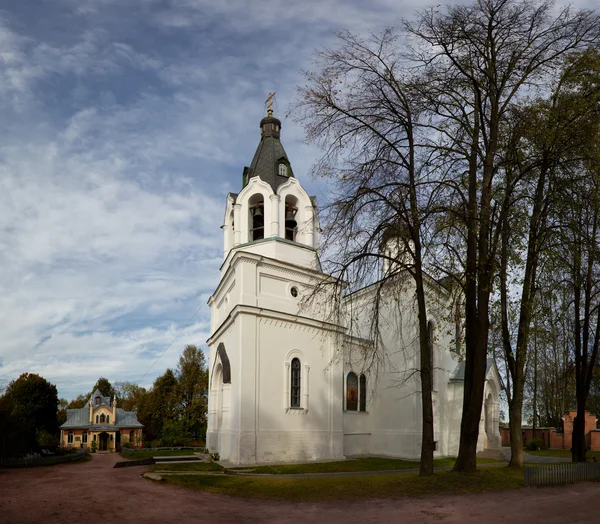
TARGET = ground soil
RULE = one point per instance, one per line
(95, 492)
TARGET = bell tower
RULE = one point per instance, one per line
(266, 331)
(272, 214)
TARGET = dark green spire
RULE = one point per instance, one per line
(270, 162)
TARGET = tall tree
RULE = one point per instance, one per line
(192, 377)
(364, 107)
(482, 57)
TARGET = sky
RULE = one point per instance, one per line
(123, 126)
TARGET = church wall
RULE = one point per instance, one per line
(313, 431)
(395, 409)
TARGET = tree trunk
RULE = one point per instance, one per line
(426, 381)
(516, 432)
(578, 447)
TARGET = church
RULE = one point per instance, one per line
(291, 378)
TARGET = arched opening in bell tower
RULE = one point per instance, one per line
(256, 207)
(291, 209)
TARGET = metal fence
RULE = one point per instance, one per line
(555, 474)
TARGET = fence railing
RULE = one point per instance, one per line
(555, 474)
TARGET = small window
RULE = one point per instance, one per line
(362, 395)
(295, 389)
(108, 419)
(102, 418)
(352, 392)
(70, 438)
(294, 291)
(97, 401)
(84, 438)
(97, 419)
(283, 170)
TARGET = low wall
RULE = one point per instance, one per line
(43, 460)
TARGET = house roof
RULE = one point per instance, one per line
(80, 418)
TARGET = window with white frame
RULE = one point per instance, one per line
(70, 438)
(295, 384)
(356, 392)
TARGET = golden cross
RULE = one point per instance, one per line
(269, 102)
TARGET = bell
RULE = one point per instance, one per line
(257, 211)
(290, 221)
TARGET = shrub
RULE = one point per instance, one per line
(535, 444)
(126, 445)
(215, 457)
(93, 446)
(156, 444)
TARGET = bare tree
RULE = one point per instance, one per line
(364, 107)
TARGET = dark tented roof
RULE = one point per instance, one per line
(269, 154)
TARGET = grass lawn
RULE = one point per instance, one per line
(190, 466)
(562, 453)
(145, 454)
(341, 488)
(359, 464)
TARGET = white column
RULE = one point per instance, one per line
(274, 215)
(310, 224)
(226, 239)
(237, 224)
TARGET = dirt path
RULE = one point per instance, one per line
(94, 492)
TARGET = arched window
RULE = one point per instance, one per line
(131, 435)
(362, 394)
(352, 392)
(97, 401)
(108, 419)
(257, 218)
(283, 170)
(96, 419)
(295, 384)
(70, 437)
(102, 418)
(84, 437)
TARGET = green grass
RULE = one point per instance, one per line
(562, 453)
(188, 466)
(144, 454)
(359, 464)
(342, 488)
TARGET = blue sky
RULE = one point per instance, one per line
(123, 125)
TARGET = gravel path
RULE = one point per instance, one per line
(95, 492)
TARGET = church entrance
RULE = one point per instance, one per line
(103, 441)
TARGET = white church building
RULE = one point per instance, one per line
(289, 380)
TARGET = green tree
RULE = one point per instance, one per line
(192, 378)
(129, 395)
(79, 402)
(105, 387)
(31, 404)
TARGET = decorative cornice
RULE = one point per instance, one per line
(265, 313)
